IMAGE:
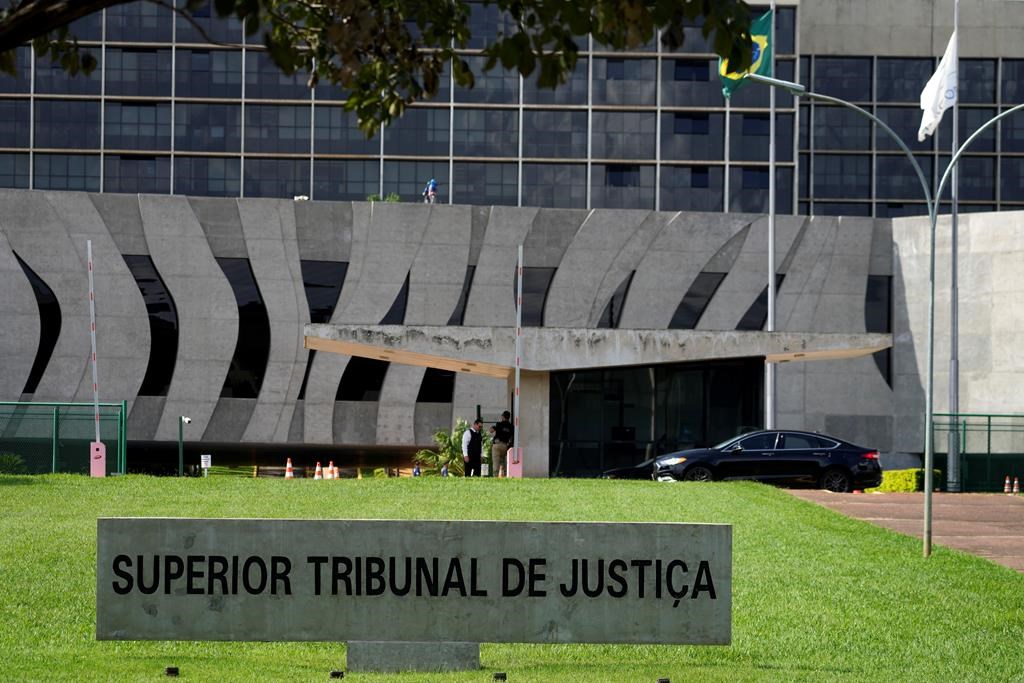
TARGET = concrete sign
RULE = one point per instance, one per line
(334, 580)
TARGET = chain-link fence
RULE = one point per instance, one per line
(991, 448)
(55, 437)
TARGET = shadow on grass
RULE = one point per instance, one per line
(16, 480)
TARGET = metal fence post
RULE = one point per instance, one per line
(53, 442)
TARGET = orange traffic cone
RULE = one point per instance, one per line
(329, 472)
(319, 472)
(337, 472)
(1016, 486)
(289, 473)
(1006, 485)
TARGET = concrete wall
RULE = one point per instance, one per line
(826, 262)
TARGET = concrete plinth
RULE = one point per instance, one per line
(386, 656)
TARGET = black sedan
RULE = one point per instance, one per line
(777, 457)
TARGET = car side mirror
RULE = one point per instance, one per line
(735, 448)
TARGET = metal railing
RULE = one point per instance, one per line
(991, 447)
(40, 437)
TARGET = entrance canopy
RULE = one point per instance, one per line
(488, 351)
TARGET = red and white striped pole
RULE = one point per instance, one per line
(517, 448)
(97, 451)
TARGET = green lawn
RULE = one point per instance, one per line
(816, 596)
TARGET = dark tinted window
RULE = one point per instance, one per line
(624, 135)
(138, 72)
(139, 22)
(496, 86)
(322, 281)
(264, 80)
(555, 185)
(350, 179)
(757, 315)
(459, 314)
(554, 134)
(695, 300)
(163, 325)
(572, 92)
(902, 80)
(208, 73)
(284, 178)
(249, 362)
(418, 131)
(67, 124)
(14, 123)
(790, 440)
(612, 313)
(136, 174)
(438, 386)
(759, 442)
(485, 132)
(848, 78)
(138, 125)
(485, 183)
(622, 186)
(201, 127)
(14, 170)
(67, 172)
(362, 380)
(692, 188)
(536, 282)
(337, 132)
(207, 176)
(277, 128)
(396, 314)
(49, 326)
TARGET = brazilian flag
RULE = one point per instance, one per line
(760, 58)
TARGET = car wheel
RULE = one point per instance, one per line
(698, 473)
(835, 480)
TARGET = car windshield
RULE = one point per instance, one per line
(731, 440)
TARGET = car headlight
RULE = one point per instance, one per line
(669, 462)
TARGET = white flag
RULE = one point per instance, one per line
(940, 92)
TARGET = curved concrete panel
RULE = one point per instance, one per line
(49, 231)
(273, 250)
(20, 313)
(207, 312)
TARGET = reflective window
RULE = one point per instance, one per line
(14, 170)
(249, 362)
(407, 178)
(208, 73)
(207, 127)
(486, 132)
(136, 174)
(692, 135)
(977, 81)
(899, 209)
(757, 315)
(22, 79)
(438, 386)
(1012, 81)
(611, 316)
(69, 124)
(139, 22)
(459, 314)
(749, 138)
(748, 189)
(897, 178)
(67, 172)
(625, 81)
(977, 178)
(842, 209)
(14, 123)
(362, 380)
(143, 125)
(49, 325)
(692, 188)
(695, 301)
(842, 175)
(420, 130)
(622, 186)
(207, 176)
(561, 186)
(206, 26)
(497, 86)
(624, 135)
(485, 183)
(345, 179)
(902, 80)
(89, 27)
(163, 325)
(904, 121)
(138, 72)
(841, 128)
(759, 442)
(282, 178)
(799, 441)
(574, 91)
(969, 119)
(1012, 179)
(690, 83)
(52, 78)
(322, 281)
(536, 282)
(486, 23)
(755, 95)
(848, 78)
(396, 314)
(337, 132)
(555, 134)
(785, 29)
(278, 128)
(264, 80)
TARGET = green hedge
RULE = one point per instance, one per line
(906, 481)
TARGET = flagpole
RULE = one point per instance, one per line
(769, 368)
(953, 459)
(728, 116)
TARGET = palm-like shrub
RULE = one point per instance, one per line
(449, 451)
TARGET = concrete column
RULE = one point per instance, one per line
(534, 421)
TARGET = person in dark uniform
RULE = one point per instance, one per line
(472, 448)
(501, 433)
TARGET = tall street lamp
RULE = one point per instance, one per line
(182, 421)
(800, 91)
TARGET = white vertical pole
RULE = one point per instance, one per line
(769, 368)
(725, 180)
(92, 339)
(953, 458)
(517, 449)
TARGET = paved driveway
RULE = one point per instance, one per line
(990, 525)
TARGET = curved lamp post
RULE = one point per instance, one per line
(932, 203)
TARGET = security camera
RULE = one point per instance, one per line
(186, 420)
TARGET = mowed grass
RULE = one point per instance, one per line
(816, 596)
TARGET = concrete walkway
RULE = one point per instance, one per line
(986, 524)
